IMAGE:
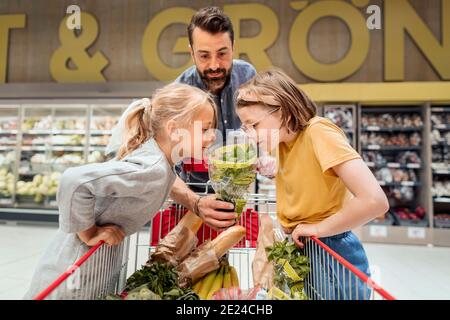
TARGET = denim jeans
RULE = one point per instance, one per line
(331, 280)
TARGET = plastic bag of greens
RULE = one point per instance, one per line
(232, 169)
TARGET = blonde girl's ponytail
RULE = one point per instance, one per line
(137, 129)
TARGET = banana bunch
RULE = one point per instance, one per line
(224, 277)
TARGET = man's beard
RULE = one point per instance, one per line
(216, 84)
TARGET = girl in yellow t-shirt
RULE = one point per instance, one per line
(324, 188)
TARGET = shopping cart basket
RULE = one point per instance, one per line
(103, 269)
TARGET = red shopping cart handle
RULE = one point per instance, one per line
(46, 292)
(361, 275)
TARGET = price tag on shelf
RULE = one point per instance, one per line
(413, 165)
(378, 231)
(407, 183)
(374, 147)
(416, 233)
(53, 203)
(373, 128)
(440, 126)
(393, 165)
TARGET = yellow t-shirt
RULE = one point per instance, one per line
(308, 189)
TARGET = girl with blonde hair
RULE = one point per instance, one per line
(112, 200)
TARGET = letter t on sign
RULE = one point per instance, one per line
(7, 22)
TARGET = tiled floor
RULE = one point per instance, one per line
(407, 272)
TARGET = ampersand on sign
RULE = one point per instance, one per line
(73, 48)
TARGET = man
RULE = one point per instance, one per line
(211, 39)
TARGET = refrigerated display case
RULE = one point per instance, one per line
(40, 141)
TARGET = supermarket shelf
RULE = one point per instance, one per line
(7, 132)
(7, 148)
(400, 184)
(374, 147)
(441, 200)
(55, 132)
(50, 211)
(442, 126)
(441, 171)
(405, 235)
(397, 234)
(396, 129)
(101, 132)
(402, 109)
(395, 165)
(440, 109)
(53, 148)
(440, 144)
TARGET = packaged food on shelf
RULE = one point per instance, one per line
(8, 140)
(439, 119)
(341, 116)
(441, 189)
(99, 141)
(402, 193)
(391, 121)
(391, 139)
(442, 220)
(69, 140)
(104, 123)
(34, 123)
(69, 124)
(8, 124)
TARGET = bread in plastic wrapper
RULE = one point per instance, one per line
(261, 266)
(201, 262)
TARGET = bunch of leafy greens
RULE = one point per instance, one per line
(282, 253)
(232, 171)
(154, 282)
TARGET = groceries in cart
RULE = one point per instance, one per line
(177, 265)
(232, 169)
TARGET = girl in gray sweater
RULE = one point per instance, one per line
(112, 200)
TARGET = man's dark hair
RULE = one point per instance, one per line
(212, 20)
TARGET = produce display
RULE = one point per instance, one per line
(232, 169)
(6, 183)
(39, 187)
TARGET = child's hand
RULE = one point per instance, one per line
(304, 231)
(111, 234)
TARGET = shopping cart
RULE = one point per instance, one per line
(103, 269)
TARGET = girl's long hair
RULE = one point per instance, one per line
(175, 101)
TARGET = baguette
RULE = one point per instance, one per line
(227, 239)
